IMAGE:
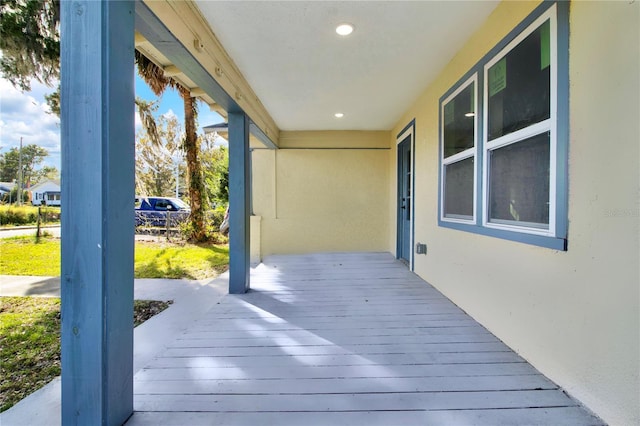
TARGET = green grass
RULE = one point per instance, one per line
(30, 343)
(161, 260)
(25, 256)
(29, 346)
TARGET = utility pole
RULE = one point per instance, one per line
(20, 174)
(177, 179)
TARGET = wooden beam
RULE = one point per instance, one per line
(171, 71)
(239, 203)
(197, 92)
(97, 198)
(139, 39)
(186, 23)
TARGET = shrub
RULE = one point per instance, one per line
(216, 216)
(27, 215)
(213, 220)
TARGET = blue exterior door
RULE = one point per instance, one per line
(404, 200)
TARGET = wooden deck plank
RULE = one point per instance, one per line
(434, 321)
(340, 339)
(334, 360)
(300, 371)
(355, 402)
(561, 416)
(346, 387)
(334, 349)
(337, 333)
(281, 339)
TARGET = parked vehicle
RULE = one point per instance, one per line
(155, 211)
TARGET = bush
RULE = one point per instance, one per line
(213, 220)
(216, 216)
(28, 215)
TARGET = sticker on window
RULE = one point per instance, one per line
(545, 45)
(498, 77)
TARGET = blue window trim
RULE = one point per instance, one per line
(559, 241)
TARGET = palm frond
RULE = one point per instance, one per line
(146, 110)
(153, 75)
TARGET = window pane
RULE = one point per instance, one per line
(458, 189)
(519, 85)
(519, 182)
(459, 121)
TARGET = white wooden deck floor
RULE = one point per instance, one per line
(344, 339)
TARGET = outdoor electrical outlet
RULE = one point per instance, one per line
(421, 248)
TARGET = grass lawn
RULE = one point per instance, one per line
(25, 256)
(30, 343)
(167, 260)
(29, 346)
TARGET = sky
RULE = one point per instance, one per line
(27, 115)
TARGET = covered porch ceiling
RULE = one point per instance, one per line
(284, 64)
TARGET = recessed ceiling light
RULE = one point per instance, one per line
(344, 29)
(470, 114)
(338, 115)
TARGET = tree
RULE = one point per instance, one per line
(215, 170)
(194, 171)
(32, 156)
(30, 41)
(30, 44)
(156, 162)
(46, 173)
(154, 76)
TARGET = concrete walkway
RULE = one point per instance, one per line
(191, 300)
(18, 285)
(19, 231)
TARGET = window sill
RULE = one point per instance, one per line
(555, 243)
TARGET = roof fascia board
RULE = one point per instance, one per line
(180, 32)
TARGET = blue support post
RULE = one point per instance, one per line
(239, 202)
(97, 205)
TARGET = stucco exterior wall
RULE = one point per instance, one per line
(575, 314)
(323, 191)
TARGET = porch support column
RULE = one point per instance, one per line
(239, 202)
(97, 211)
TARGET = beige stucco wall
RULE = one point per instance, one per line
(575, 314)
(323, 191)
(255, 247)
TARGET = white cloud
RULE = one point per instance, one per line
(170, 114)
(26, 115)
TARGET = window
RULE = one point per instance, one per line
(519, 135)
(458, 148)
(161, 204)
(504, 139)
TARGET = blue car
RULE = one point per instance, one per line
(155, 211)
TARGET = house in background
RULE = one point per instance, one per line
(5, 189)
(46, 193)
(491, 146)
